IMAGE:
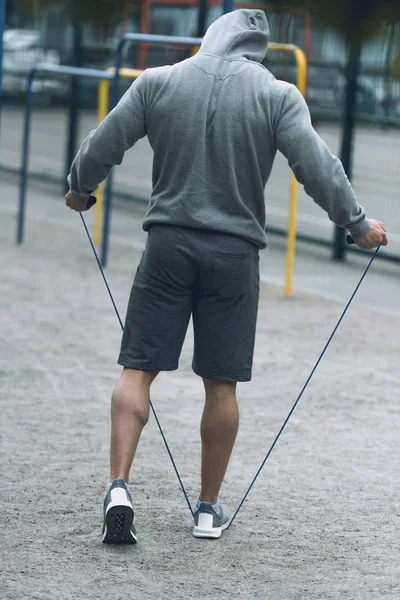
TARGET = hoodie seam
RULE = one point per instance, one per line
(218, 78)
(242, 60)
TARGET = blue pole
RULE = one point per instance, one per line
(96, 74)
(227, 6)
(25, 154)
(2, 27)
(109, 182)
(118, 64)
(106, 219)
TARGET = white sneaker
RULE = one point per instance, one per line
(209, 520)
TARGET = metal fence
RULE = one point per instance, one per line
(376, 147)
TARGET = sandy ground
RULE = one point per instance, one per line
(322, 521)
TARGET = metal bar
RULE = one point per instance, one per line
(291, 236)
(61, 70)
(145, 15)
(25, 156)
(65, 70)
(109, 181)
(227, 6)
(102, 110)
(2, 27)
(387, 105)
(349, 122)
(106, 219)
(124, 72)
(301, 62)
(74, 98)
(202, 17)
(168, 40)
(294, 194)
(307, 36)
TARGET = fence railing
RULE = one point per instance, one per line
(60, 70)
(2, 27)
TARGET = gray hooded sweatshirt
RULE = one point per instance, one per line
(215, 123)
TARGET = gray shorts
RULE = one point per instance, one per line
(211, 276)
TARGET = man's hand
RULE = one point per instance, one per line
(374, 238)
(78, 204)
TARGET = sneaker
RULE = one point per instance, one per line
(119, 525)
(209, 520)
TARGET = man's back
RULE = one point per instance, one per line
(210, 125)
(215, 122)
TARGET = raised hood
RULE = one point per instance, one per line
(239, 34)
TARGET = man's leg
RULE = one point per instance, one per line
(129, 414)
(219, 426)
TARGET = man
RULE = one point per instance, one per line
(215, 123)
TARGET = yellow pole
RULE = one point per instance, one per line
(292, 230)
(294, 188)
(128, 73)
(102, 110)
(302, 69)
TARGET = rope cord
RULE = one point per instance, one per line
(151, 404)
(304, 388)
(292, 409)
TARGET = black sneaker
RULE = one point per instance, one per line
(119, 525)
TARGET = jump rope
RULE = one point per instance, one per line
(349, 241)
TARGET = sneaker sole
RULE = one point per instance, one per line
(119, 520)
(213, 533)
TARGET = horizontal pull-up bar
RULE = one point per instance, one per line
(65, 70)
(168, 40)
